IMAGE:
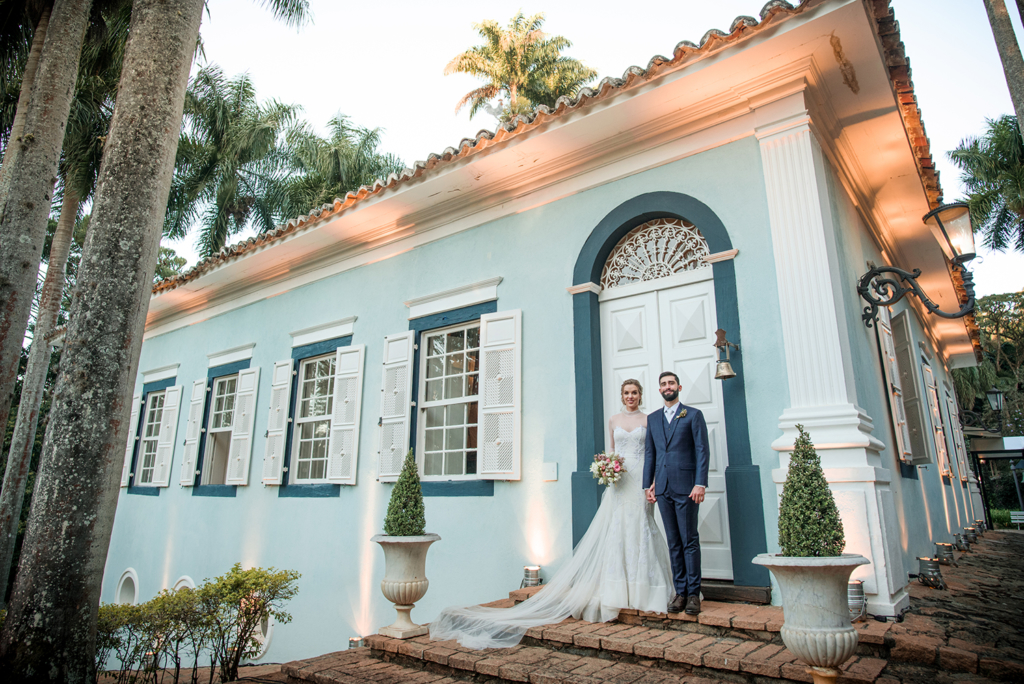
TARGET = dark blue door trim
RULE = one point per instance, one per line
(743, 480)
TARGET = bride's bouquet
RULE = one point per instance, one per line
(607, 468)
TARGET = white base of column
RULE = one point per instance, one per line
(841, 426)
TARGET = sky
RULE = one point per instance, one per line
(383, 66)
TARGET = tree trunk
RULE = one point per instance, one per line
(50, 631)
(1009, 53)
(26, 196)
(25, 95)
(13, 494)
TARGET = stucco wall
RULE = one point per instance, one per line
(485, 540)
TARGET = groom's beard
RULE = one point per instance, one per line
(669, 395)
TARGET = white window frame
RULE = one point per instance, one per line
(211, 430)
(891, 373)
(298, 422)
(424, 405)
(956, 432)
(938, 428)
(154, 439)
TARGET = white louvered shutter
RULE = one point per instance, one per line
(133, 437)
(892, 379)
(910, 382)
(500, 395)
(277, 422)
(956, 435)
(938, 432)
(343, 448)
(242, 426)
(192, 428)
(168, 431)
(395, 406)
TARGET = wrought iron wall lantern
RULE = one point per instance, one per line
(976, 421)
(723, 370)
(886, 285)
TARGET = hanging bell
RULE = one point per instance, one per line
(724, 371)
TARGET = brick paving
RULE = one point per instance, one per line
(972, 633)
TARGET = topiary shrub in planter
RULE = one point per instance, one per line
(405, 551)
(812, 571)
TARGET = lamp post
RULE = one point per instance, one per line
(886, 285)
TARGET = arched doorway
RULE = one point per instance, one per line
(657, 307)
(743, 512)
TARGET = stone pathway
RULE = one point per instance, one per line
(974, 632)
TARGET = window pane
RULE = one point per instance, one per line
(434, 440)
(436, 345)
(471, 437)
(453, 387)
(471, 463)
(317, 470)
(472, 406)
(454, 438)
(457, 414)
(432, 464)
(303, 470)
(435, 368)
(472, 361)
(304, 450)
(229, 386)
(435, 417)
(322, 429)
(473, 338)
(473, 385)
(455, 364)
(453, 463)
(456, 341)
(433, 391)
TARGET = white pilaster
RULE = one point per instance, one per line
(821, 385)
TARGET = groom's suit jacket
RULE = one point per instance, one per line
(676, 455)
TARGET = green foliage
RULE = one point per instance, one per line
(809, 523)
(1001, 518)
(993, 175)
(520, 63)
(405, 517)
(168, 264)
(219, 623)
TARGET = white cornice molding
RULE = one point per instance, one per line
(240, 353)
(324, 331)
(584, 287)
(161, 373)
(455, 298)
(721, 256)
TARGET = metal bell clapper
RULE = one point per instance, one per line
(944, 552)
(960, 543)
(723, 369)
(971, 534)
(931, 574)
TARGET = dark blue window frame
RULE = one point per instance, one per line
(147, 389)
(425, 324)
(211, 375)
(300, 354)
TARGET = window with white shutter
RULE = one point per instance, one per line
(395, 405)
(910, 383)
(956, 434)
(161, 472)
(938, 432)
(277, 423)
(242, 425)
(891, 372)
(133, 437)
(192, 433)
(343, 447)
(500, 395)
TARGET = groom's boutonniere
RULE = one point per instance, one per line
(681, 414)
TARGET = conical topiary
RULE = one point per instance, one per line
(809, 523)
(405, 516)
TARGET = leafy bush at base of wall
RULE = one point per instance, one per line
(219, 622)
(1000, 518)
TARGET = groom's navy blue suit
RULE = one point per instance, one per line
(676, 459)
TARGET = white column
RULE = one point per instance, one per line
(821, 384)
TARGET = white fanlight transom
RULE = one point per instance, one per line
(656, 249)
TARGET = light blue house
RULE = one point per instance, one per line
(484, 306)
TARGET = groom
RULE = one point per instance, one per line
(675, 476)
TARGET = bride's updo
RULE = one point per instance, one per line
(635, 383)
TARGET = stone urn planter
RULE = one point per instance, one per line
(816, 627)
(405, 579)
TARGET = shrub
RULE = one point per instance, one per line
(1000, 518)
(405, 516)
(809, 523)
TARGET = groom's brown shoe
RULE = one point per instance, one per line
(693, 605)
(676, 605)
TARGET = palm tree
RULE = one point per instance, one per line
(230, 164)
(519, 63)
(329, 168)
(50, 630)
(88, 123)
(1009, 52)
(993, 175)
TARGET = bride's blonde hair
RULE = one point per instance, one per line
(636, 383)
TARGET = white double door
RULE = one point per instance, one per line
(669, 324)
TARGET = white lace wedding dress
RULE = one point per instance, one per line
(621, 562)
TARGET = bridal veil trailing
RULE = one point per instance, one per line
(621, 562)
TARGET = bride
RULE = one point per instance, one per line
(621, 562)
